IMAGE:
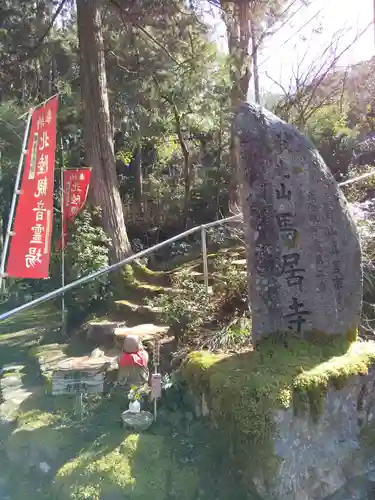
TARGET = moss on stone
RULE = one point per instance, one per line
(244, 389)
(317, 336)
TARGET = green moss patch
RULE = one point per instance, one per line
(140, 466)
(92, 457)
(243, 389)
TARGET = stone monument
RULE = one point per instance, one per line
(304, 254)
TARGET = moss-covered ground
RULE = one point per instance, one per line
(244, 389)
(89, 455)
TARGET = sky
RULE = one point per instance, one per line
(294, 45)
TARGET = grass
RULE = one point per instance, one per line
(91, 456)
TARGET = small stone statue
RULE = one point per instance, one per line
(133, 363)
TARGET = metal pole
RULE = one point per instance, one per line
(62, 187)
(155, 399)
(359, 178)
(232, 218)
(108, 269)
(43, 103)
(16, 192)
(204, 256)
(156, 361)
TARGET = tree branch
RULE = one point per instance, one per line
(336, 58)
(51, 23)
(177, 117)
(126, 70)
(148, 35)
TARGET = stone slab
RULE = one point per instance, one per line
(304, 253)
(10, 382)
(145, 332)
(11, 367)
(17, 396)
(83, 363)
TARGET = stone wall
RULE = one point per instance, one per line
(315, 455)
(319, 457)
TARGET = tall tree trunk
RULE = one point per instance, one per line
(237, 20)
(98, 139)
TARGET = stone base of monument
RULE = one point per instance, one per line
(297, 420)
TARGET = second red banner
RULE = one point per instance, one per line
(76, 186)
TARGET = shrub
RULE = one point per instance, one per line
(191, 308)
(87, 252)
(187, 310)
(235, 335)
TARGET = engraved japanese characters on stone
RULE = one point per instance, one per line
(304, 256)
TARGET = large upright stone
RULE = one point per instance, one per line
(304, 255)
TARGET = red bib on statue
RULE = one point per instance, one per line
(138, 358)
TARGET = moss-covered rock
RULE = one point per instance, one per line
(245, 391)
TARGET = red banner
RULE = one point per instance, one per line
(29, 253)
(76, 186)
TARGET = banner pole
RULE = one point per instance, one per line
(62, 187)
(43, 103)
(16, 192)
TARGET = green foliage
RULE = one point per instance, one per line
(328, 121)
(235, 335)
(328, 128)
(136, 393)
(231, 279)
(192, 307)
(124, 156)
(187, 310)
(87, 252)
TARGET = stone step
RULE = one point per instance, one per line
(150, 290)
(11, 367)
(49, 358)
(126, 306)
(17, 395)
(12, 394)
(146, 332)
(104, 333)
(10, 382)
